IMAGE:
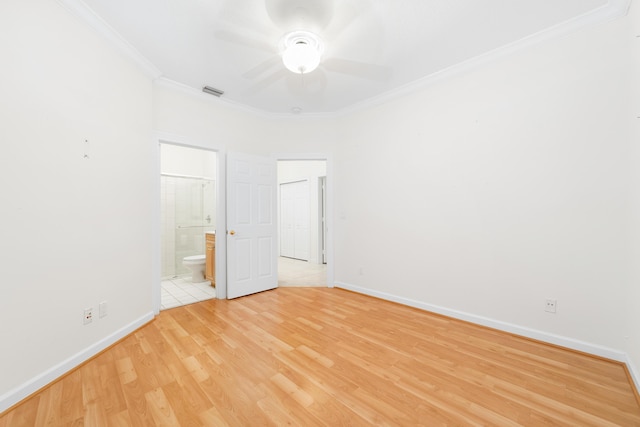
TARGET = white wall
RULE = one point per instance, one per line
(490, 191)
(296, 170)
(633, 298)
(74, 230)
(185, 161)
(209, 120)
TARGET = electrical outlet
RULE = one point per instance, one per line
(88, 316)
(102, 309)
(550, 305)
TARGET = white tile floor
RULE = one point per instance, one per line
(179, 291)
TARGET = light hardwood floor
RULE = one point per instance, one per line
(317, 356)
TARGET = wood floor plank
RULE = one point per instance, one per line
(109, 393)
(121, 419)
(327, 357)
(160, 408)
(22, 415)
(50, 409)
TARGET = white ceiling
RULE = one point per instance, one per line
(372, 47)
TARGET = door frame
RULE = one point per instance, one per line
(221, 216)
(322, 224)
(329, 207)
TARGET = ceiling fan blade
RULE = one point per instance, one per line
(244, 40)
(313, 15)
(358, 69)
(348, 14)
(262, 67)
(268, 81)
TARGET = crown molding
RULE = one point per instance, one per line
(612, 10)
(227, 103)
(80, 10)
(200, 95)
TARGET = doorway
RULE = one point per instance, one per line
(302, 200)
(188, 220)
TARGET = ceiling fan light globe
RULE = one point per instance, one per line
(301, 58)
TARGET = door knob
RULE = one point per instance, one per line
(232, 232)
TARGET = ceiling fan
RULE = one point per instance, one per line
(301, 49)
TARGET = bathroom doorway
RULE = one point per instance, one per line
(302, 200)
(188, 221)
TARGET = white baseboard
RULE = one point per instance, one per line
(23, 391)
(633, 371)
(497, 324)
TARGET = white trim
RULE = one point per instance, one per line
(25, 390)
(329, 218)
(156, 224)
(221, 224)
(199, 94)
(221, 211)
(633, 371)
(79, 9)
(227, 103)
(614, 9)
(617, 8)
(559, 340)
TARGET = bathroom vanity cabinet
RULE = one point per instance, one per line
(210, 264)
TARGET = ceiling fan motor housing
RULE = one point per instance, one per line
(301, 51)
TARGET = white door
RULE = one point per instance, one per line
(294, 220)
(251, 225)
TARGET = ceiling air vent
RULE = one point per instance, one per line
(212, 91)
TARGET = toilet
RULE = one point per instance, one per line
(195, 263)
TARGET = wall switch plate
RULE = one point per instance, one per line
(88, 316)
(102, 309)
(550, 305)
